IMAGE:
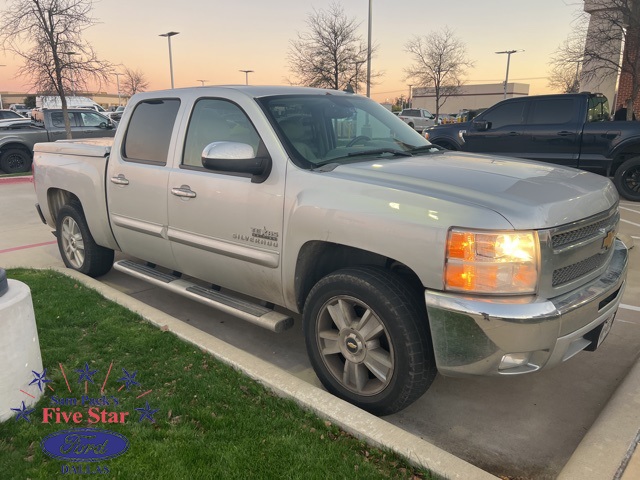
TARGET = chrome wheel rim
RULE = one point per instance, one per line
(355, 346)
(72, 242)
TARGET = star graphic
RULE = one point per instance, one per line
(146, 412)
(129, 379)
(39, 378)
(86, 374)
(23, 413)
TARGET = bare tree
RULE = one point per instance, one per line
(47, 36)
(134, 81)
(565, 77)
(331, 54)
(616, 24)
(439, 61)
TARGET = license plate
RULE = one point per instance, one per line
(598, 334)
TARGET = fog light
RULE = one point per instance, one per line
(512, 360)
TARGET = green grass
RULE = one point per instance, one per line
(20, 174)
(212, 421)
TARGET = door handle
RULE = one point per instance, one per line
(120, 180)
(513, 134)
(565, 133)
(183, 191)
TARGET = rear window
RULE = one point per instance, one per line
(149, 132)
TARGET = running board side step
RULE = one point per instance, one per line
(242, 309)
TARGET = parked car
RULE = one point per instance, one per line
(116, 114)
(20, 109)
(10, 115)
(569, 129)
(403, 259)
(17, 138)
(417, 118)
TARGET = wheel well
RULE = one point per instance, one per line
(317, 259)
(445, 144)
(19, 146)
(622, 156)
(57, 198)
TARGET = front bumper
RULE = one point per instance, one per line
(482, 335)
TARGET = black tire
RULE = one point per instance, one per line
(381, 364)
(411, 124)
(15, 160)
(446, 145)
(78, 249)
(627, 179)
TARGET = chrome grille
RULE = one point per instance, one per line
(579, 269)
(578, 234)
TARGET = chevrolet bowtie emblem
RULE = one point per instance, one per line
(608, 240)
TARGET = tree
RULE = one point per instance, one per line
(565, 78)
(47, 36)
(439, 61)
(30, 101)
(134, 81)
(616, 24)
(331, 54)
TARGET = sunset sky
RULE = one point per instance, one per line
(217, 39)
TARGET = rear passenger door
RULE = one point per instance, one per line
(137, 179)
(93, 125)
(552, 131)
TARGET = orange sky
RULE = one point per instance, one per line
(216, 41)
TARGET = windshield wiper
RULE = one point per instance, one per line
(378, 151)
(427, 148)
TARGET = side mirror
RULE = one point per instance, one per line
(236, 158)
(481, 125)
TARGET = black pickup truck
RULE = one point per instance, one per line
(569, 129)
(18, 138)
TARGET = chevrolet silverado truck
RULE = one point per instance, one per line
(569, 129)
(403, 259)
(417, 118)
(18, 138)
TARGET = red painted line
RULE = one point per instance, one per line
(143, 394)
(65, 377)
(30, 394)
(121, 388)
(50, 388)
(15, 180)
(23, 247)
(86, 387)
(105, 379)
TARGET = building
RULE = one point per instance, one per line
(470, 97)
(103, 98)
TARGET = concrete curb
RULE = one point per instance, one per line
(16, 180)
(351, 419)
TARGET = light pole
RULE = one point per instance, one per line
(201, 82)
(246, 75)
(410, 101)
(73, 86)
(506, 78)
(369, 54)
(169, 35)
(1, 106)
(118, 82)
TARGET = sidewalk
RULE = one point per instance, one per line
(607, 451)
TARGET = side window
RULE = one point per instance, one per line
(57, 120)
(149, 131)
(547, 112)
(510, 113)
(90, 119)
(214, 120)
(598, 109)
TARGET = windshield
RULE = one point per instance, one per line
(322, 129)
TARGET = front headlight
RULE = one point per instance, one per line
(492, 262)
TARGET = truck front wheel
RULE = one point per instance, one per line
(78, 249)
(627, 179)
(368, 340)
(15, 160)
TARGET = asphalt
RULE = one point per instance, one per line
(607, 449)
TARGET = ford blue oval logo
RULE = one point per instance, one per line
(84, 445)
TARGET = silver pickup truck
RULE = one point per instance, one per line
(404, 260)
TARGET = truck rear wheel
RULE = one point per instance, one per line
(78, 249)
(368, 340)
(15, 160)
(627, 179)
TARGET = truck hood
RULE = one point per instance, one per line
(530, 195)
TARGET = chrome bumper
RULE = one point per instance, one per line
(483, 336)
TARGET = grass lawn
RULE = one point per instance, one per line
(21, 174)
(211, 421)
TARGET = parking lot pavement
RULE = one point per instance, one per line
(525, 426)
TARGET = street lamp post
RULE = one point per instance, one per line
(1, 106)
(410, 100)
(369, 54)
(73, 85)
(201, 82)
(118, 82)
(246, 75)
(169, 35)
(506, 78)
